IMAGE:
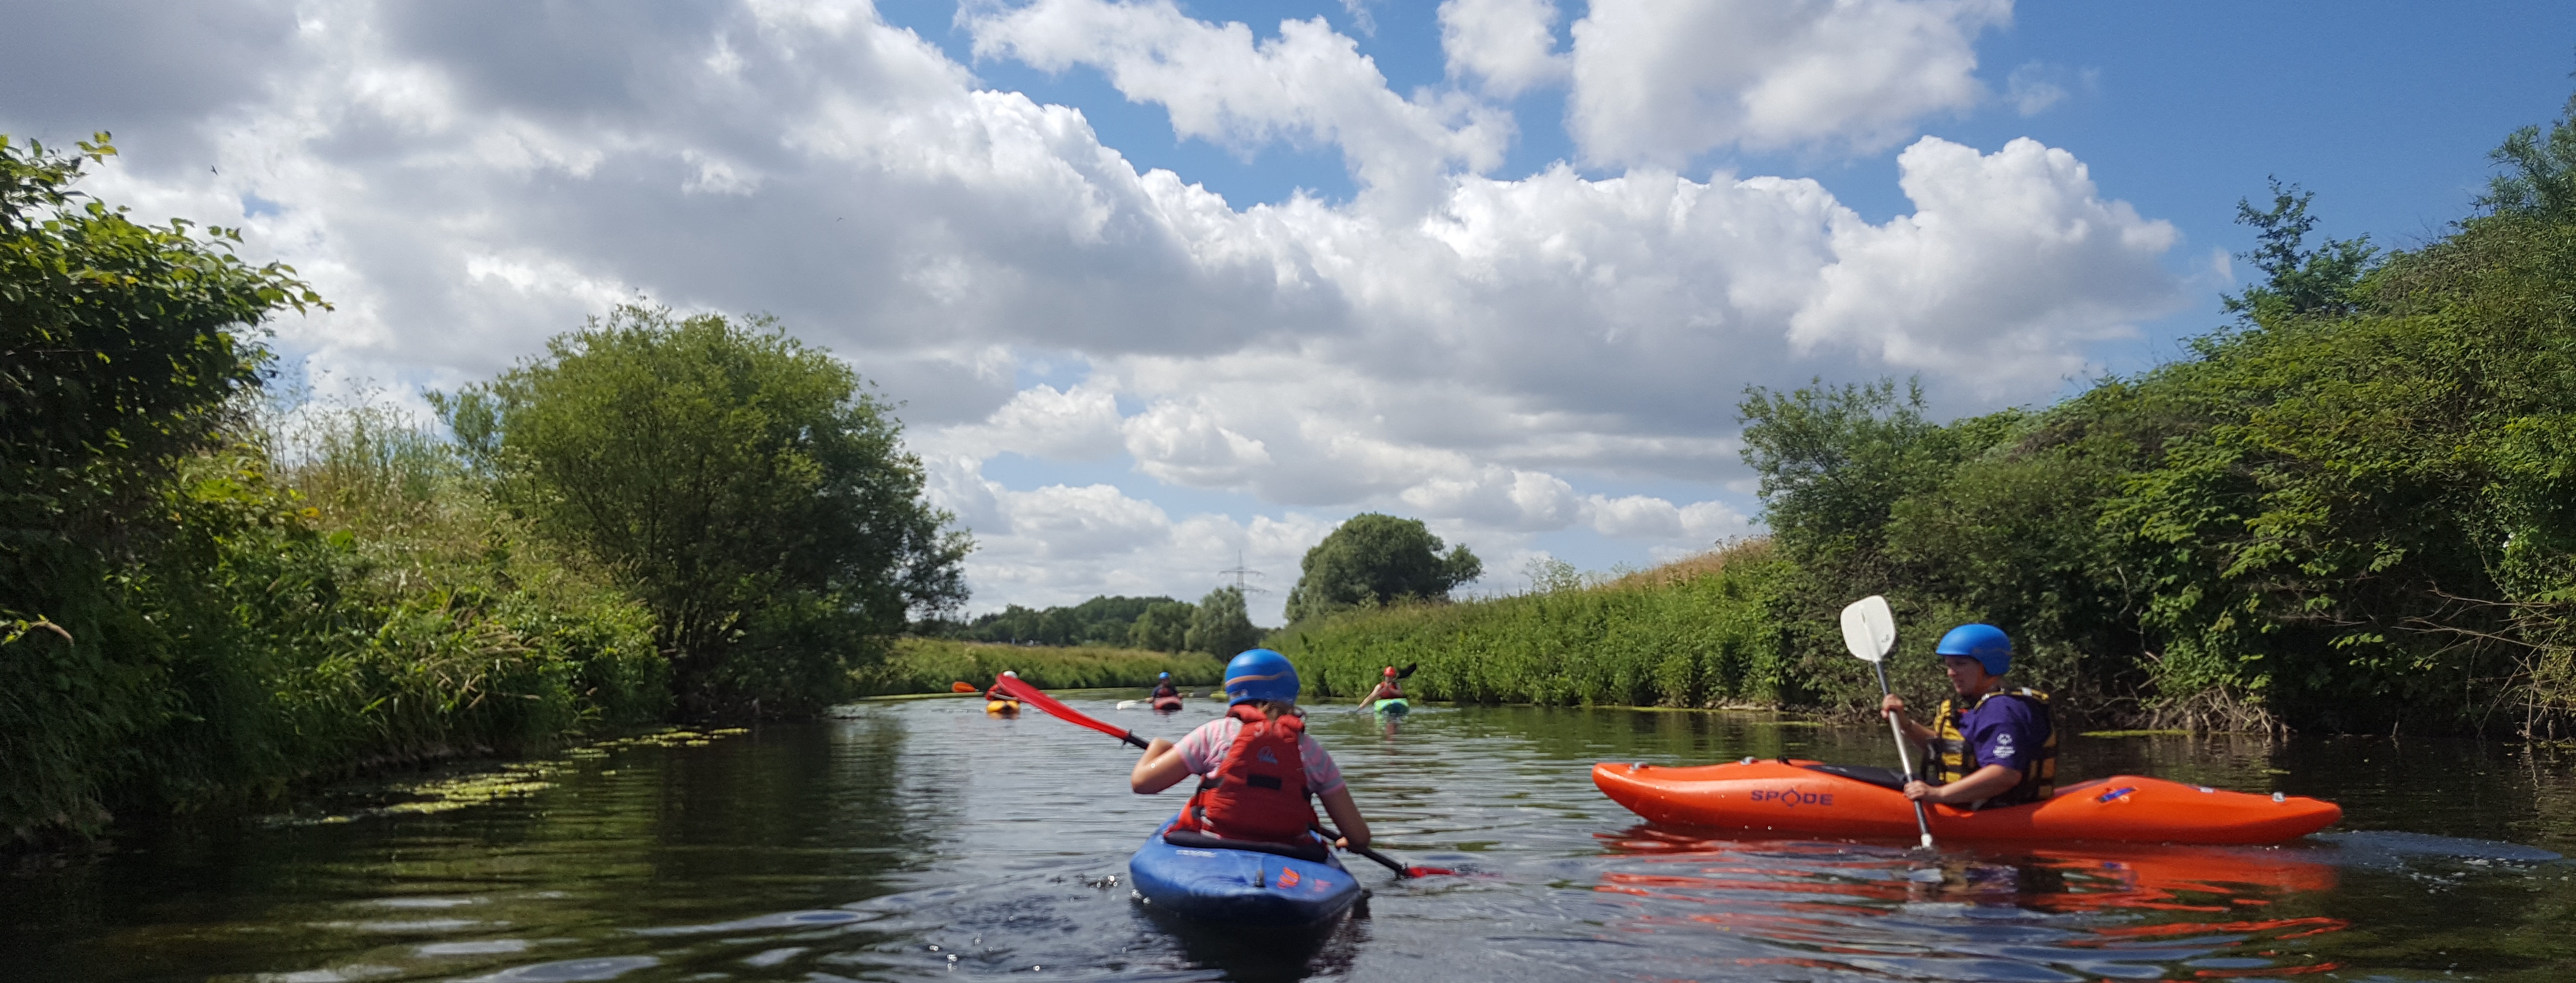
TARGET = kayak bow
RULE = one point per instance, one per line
(1246, 887)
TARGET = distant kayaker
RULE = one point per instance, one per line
(1991, 745)
(1163, 687)
(1257, 765)
(994, 692)
(1387, 689)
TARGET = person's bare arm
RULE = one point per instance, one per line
(1160, 768)
(1346, 817)
(1981, 784)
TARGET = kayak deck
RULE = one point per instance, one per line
(1790, 796)
(1240, 887)
(1396, 705)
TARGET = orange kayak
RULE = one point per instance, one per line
(1815, 799)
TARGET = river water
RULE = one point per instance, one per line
(925, 840)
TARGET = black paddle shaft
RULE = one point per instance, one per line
(1382, 859)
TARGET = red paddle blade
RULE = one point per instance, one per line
(962, 688)
(1429, 872)
(1032, 696)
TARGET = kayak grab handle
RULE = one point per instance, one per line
(2115, 793)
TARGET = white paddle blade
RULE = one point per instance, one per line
(1869, 628)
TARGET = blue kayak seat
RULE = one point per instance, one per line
(1310, 850)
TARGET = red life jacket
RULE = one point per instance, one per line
(1259, 792)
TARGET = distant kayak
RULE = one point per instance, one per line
(1814, 799)
(1207, 879)
(1001, 706)
(1396, 705)
(1167, 704)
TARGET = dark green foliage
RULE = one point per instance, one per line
(929, 665)
(741, 484)
(1220, 625)
(1163, 627)
(2299, 282)
(2539, 179)
(2349, 513)
(1376, 559)
(1103, 620)
(1708, 638)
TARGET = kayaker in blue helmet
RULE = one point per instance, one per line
(1163, 686)
(1991, 745)
(1257, 765)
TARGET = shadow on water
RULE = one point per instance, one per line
(926, 839)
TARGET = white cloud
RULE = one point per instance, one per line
(1659, 81)
(1485, 352)
(1509, 44)
(1308, 85)
(2009, 260)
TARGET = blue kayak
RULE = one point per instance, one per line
(1199, 879)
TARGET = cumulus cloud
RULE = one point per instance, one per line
(1484, 351)
(1309, 84)
(1658, 81)
(1509, 44)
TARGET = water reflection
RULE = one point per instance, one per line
(927, 839)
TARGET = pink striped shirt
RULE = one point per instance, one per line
(1204, 749)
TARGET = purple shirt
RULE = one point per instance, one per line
(2004, 731)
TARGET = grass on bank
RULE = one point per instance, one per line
(1696, 633)
(929, 665)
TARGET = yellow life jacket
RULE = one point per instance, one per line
(1950, 758)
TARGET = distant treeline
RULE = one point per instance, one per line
(933, 665)
(1218, 623)
(208, 592)
(2353, 509)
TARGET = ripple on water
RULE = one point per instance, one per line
(927, 840)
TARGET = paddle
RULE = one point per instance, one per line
(1383, 860)
(1869, 630)
(1031, 695)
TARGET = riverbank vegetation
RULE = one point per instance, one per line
(207, 594)
(2354, 509)
(933, 665)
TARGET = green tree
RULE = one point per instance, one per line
(745, 486)
(1374, 559)
(2299, 281)
(2539, 181)
(122, 346)
(1163, 628)
(1220, 626)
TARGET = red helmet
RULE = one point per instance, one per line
(1390, 670)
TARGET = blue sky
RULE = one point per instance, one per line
(1509, 283)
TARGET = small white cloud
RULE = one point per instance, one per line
(1658, 81)
(1509, 44)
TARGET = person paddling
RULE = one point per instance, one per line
(1992, 745)
(1387, 689)
(1257, 765)
(1163, 687)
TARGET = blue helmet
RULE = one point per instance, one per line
(1164, 676)
(1259, 674)
(1984, 643)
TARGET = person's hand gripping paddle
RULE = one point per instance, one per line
(1869, 630)
(1035, 697)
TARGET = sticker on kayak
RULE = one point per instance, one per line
(1792, 798)
(1195, 853)
(1288, 877)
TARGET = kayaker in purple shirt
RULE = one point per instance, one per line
(1993, 745)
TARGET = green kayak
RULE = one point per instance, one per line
(1397, 705)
